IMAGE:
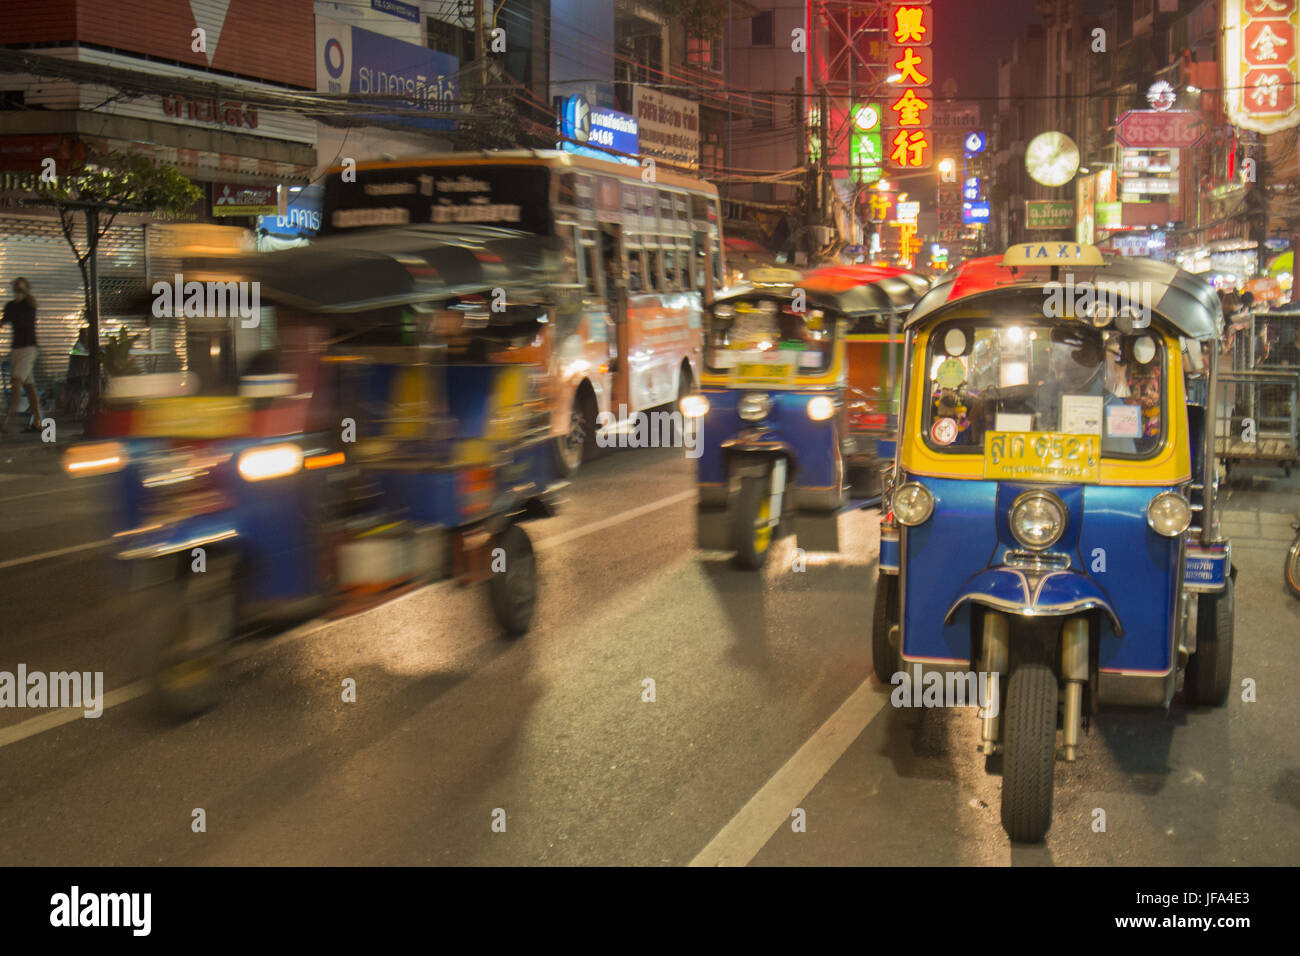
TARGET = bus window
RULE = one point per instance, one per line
(653, 282)
(683, 212)
(671, 283)
(717, 269)
(684, 263)
(666, 211)
(631, 205)
(590, 262)
(648, 209)
(568, 237)
(634, 271)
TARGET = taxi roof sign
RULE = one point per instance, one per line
(775, 276)
(1052, 254)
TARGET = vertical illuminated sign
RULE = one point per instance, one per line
(1261, 63)
(907, 142)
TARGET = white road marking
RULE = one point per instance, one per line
(749, 830)
(122, 695)
(38, 494)
(575, 533)
(28, 559)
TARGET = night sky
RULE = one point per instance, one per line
(970, 37)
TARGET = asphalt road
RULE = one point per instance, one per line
(763, 704)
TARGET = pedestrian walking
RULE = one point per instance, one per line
(20, 313)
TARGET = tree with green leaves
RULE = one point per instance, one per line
(101, 188)
(701, 18)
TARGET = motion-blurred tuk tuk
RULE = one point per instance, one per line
(1053, 519)
(779, 452)
(389, 433)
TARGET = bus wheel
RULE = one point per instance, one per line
(885, 659)
(578, 444)
(1029, 754)
(513, 592)
(1209, 671)
(753, 530)
(193, 629)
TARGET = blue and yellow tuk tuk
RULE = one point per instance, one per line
(1050, 535)
(780, 453)
(388, 433)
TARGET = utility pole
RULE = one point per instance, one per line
(823, 156)
(480, 42)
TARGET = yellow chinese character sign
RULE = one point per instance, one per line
(1261, 63)
(910, 35)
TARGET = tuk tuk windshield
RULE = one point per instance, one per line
(1035, 376)
(764, 330)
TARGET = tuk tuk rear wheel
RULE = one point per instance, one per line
(513, 591)
(885, 658)
(1209, 670)
(1029, 753)
(193, 630)
(1291, 572)
(752, 531)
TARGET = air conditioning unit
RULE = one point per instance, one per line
(823, 235)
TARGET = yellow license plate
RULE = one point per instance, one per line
(763, 372)
(1042, 456)
(215, 417)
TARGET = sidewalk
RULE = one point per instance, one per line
(26, 453)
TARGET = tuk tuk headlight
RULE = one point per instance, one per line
(913, 504)
(754, 406)
(270, 461)
(820, 408)
(1169, 514)
(695, 406)
(1038, 519)
(95, 458)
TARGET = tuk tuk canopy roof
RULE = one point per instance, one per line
(851, 290)
(396, 266)
(1179, 299)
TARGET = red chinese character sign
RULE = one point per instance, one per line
(908, 143)
(1261, 63)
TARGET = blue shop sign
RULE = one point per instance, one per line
(352, 60)
(398, 9)
(974, 212)
(301, 218)
(588, 129)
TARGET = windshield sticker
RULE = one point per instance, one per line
(1014, 422)
(944, 431)
(951, 373)
(1081, 414)
(1124, 421)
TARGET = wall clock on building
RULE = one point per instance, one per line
(1052, 159)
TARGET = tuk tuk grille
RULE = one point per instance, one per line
(1037, 560)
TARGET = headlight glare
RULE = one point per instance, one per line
(820, 408)
(913, 504)
(270, 461)
(1038, 519)
(95, 458)
(695, 406)
(1169, 514)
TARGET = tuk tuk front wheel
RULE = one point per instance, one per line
(885, 658)
(513, 590)
(1029, 753)
(753, 529)
(193, 631)
(1209, 670)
